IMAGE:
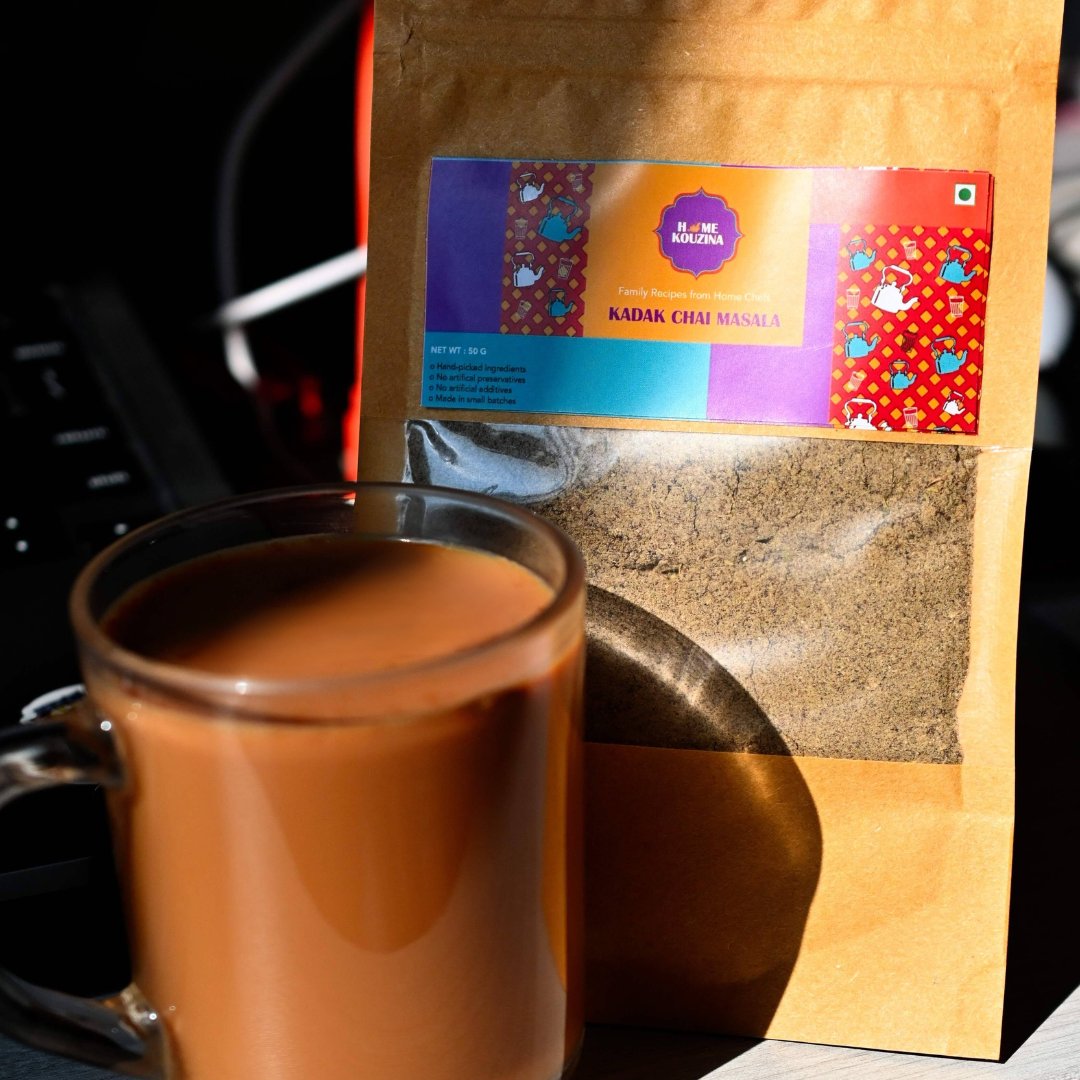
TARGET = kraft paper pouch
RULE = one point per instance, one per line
(747, 298)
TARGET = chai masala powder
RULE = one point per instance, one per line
(806, 569)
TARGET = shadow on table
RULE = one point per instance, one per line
(613, 1053)
(1044, 935)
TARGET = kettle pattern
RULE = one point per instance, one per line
(954, 268)
(526, 275)
(544, 253)
(859, 413)
(909, 354)
(900, 375)
(528, 189)
(856, 343)
(946, 358)
(558, 304)
(891, 292)
(952, 405)
(860, 257)
(556, 224)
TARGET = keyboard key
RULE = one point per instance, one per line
(91, 469)
(81, 436)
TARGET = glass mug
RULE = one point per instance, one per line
(342, 873)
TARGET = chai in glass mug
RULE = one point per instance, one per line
(340, 730)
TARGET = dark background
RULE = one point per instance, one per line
(116, 118)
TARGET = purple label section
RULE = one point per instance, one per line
(466, 223)
(771, 384)
(698, 233)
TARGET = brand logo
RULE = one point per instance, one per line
(698, 233)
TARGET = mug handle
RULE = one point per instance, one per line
(71, 745)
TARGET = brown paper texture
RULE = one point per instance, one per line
(811, 898)
(801, 898)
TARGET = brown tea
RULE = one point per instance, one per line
(326, 898)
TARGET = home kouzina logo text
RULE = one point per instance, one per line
(698, 233)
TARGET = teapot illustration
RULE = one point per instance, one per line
(556, 222)
(860, 413)
(900, 375)
(956, 257)
(946, 358)
(889, 294)
(953, 405)
(860, 258)
(524, 272)
(856, 344)
(558, 304)
(528, 191)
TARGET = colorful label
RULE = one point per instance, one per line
(809, 297)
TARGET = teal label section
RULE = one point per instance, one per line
(597, 377)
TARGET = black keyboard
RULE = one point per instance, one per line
(94, 441)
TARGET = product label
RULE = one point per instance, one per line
(806, 297)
